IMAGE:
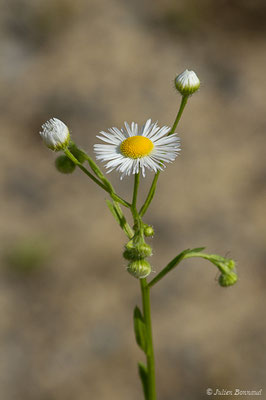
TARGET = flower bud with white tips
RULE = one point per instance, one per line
(55, 134)
(187, 83)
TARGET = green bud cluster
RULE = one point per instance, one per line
(136, 250)
(226, 266)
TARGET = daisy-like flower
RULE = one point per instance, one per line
(132, 149)
(187, 82)
(55, 134)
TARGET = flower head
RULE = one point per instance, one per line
(132, 149)
(55, 134)
(187, 83)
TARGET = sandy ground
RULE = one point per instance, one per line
(66, 326)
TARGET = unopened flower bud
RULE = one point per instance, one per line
(228, 279)
(148, 230)
(187, 83)
(136, 251)
(139, 269)
(55, 134)
(64, 165)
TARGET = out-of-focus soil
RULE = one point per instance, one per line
(66, 326)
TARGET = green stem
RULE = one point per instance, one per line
(108, 189)
(155, 179)
(98, 172)
(145, 292)
(134, 200)
(150, 195)
(179, 114)
(76, 162)
(224, 265)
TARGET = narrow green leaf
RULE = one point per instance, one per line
(143, 373)
(119, 216)
(196, 250)
(140, 329)
(113, 211)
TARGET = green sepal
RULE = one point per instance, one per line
(140, 329)
(143, 374)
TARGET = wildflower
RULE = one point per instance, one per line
(55, 134)
(187, 83)
(132, 149)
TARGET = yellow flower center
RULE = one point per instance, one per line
(136, 147)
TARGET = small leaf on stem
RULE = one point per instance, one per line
(143, 373)
(140, 329)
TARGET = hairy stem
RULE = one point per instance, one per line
(145, 292)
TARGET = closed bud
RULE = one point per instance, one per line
(136, 251)
(139, 269)
(64, 165)
(55, 134)
(228, 279)
(187, 83)
(148, 230)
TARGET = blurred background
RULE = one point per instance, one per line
(66, 300)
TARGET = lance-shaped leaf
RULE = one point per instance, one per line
(143, 373)
(140, 329)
